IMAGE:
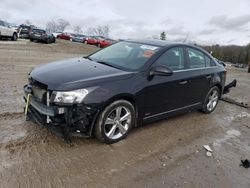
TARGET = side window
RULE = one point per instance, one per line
(209, 62)
(196, 58)
(173, 59)
(1, 23)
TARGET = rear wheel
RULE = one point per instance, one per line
(115, 122)
(14, 37)
(211, 100)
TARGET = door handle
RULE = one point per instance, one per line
(183, 82)
(208, 76)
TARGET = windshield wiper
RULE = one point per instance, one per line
(87, 57)
(105, 63)
(101, 62)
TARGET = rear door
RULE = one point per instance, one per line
(200, 74)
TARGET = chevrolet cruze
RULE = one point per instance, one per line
(120, 87)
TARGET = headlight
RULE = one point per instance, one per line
(75, 96)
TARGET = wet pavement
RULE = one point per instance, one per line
(167, 153)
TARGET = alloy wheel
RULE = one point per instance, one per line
(117, 122)
(212, 100)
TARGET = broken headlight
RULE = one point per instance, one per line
(75, 96)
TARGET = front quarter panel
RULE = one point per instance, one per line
(108, 92)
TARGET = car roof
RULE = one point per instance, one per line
(156, 42)
(163, 43)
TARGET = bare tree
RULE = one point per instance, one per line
(51, 27)
(99, 31)
(77, 29)
(163, 36)
(62, 24)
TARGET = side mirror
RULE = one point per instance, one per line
(160, 71)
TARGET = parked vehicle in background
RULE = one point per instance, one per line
(41, 36)
(91, 40)
(24, 31)
(94, 40)
(239, 65)
(66, 36)
(79, 38)
(56, 34)
(105, 43)
(15, 27)
(6, 31)
(104, 94)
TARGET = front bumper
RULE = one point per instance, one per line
(65, 121)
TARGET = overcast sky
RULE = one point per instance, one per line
(203, 21)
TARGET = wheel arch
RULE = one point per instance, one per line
(125, 96)
(220, 87)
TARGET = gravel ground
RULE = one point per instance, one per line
(167, 153)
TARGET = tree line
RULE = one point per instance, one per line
(230, 53)
(60, 25)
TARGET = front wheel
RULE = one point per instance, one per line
(211, 100)
(115, 121)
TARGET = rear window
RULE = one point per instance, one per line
(209, 62)
(196, 58)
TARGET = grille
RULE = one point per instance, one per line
(39, 90)
(38, 93)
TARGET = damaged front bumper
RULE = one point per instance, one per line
(63, 120)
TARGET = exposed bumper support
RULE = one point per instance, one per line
(230, 85)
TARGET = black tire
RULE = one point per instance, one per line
(205, 109)
(31, 40)
(14, 37)
(101, 126)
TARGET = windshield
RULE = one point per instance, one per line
(125, 55)
(39, 31)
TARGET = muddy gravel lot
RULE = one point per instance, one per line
(168, 153)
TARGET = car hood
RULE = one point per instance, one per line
(76, 73)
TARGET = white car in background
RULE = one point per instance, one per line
(56, 33)
(6, 31)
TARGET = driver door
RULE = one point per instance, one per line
(165, 94)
